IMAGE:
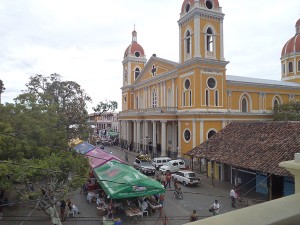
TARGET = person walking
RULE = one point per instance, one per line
(168, 179)
(62, 210)
(215, 208)
(233, 197)
(194, 216)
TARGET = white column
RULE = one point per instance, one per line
(194, 133)
(197, 36)
(201, 131)
(154, 134)
(180, 45)
(134, 132)
(138, 135)
(223, 123)
(174, 143)
(173, 93)
(128, 132)
(163, 138)
(165, 94)
(221, 41)
(179, 139)
(146, 133)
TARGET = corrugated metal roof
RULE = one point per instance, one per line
(260, 81)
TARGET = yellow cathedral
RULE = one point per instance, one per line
(169, 107)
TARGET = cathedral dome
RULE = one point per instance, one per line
(292, 45)
(188, 4)
(134, 49)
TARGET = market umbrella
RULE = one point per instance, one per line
(120, 181)
(98, 157)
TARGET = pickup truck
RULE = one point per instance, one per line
(186, 177)
(173, 166)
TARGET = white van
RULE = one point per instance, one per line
(173, 166)
(160, 161)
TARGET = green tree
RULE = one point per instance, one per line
(2, 89)
(105, 106)
(66, 99)
(287, 112)
(34, 136)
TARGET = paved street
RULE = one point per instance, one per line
(176, 211)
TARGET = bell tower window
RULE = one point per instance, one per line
(188, 42)
(136, 73)
(209, 40)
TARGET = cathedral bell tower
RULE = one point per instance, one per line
(133, 62)
(201, 30)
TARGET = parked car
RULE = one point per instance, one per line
(173, 166)
(147, 168)
(186, 177)
(160, 161)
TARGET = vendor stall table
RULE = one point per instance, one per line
(133, 214)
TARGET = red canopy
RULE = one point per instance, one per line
(98, 157)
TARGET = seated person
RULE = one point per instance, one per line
(73, 208)
(99, 201)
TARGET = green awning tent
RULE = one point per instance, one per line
(120, 181)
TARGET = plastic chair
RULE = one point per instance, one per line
(70, 212)
(145, 211)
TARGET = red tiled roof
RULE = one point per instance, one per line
(258, 146)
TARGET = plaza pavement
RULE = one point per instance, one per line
(176, 211)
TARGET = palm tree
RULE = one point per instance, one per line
(2, 88)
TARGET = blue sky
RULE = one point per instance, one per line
(84, 40)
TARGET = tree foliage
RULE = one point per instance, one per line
(65, 99)
(105, 106)
(2, 88)
(287, 112)
(34, 136)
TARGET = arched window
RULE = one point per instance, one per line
(244, 105)
(216, 98)
(290, 67)
(209, 40)
(136, 73)
(276, 103)
(154, 99)
(211, 133)
(299, 66)
(187, 93)
(206, 97)
(188, 42)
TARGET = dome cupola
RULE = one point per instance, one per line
(290, 57)
(188, 5)
(134, 49)
(293, 45)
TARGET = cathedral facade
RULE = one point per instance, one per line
(171, 107)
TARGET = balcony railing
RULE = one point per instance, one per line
(156, 110)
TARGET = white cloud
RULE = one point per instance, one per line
(84, 41)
